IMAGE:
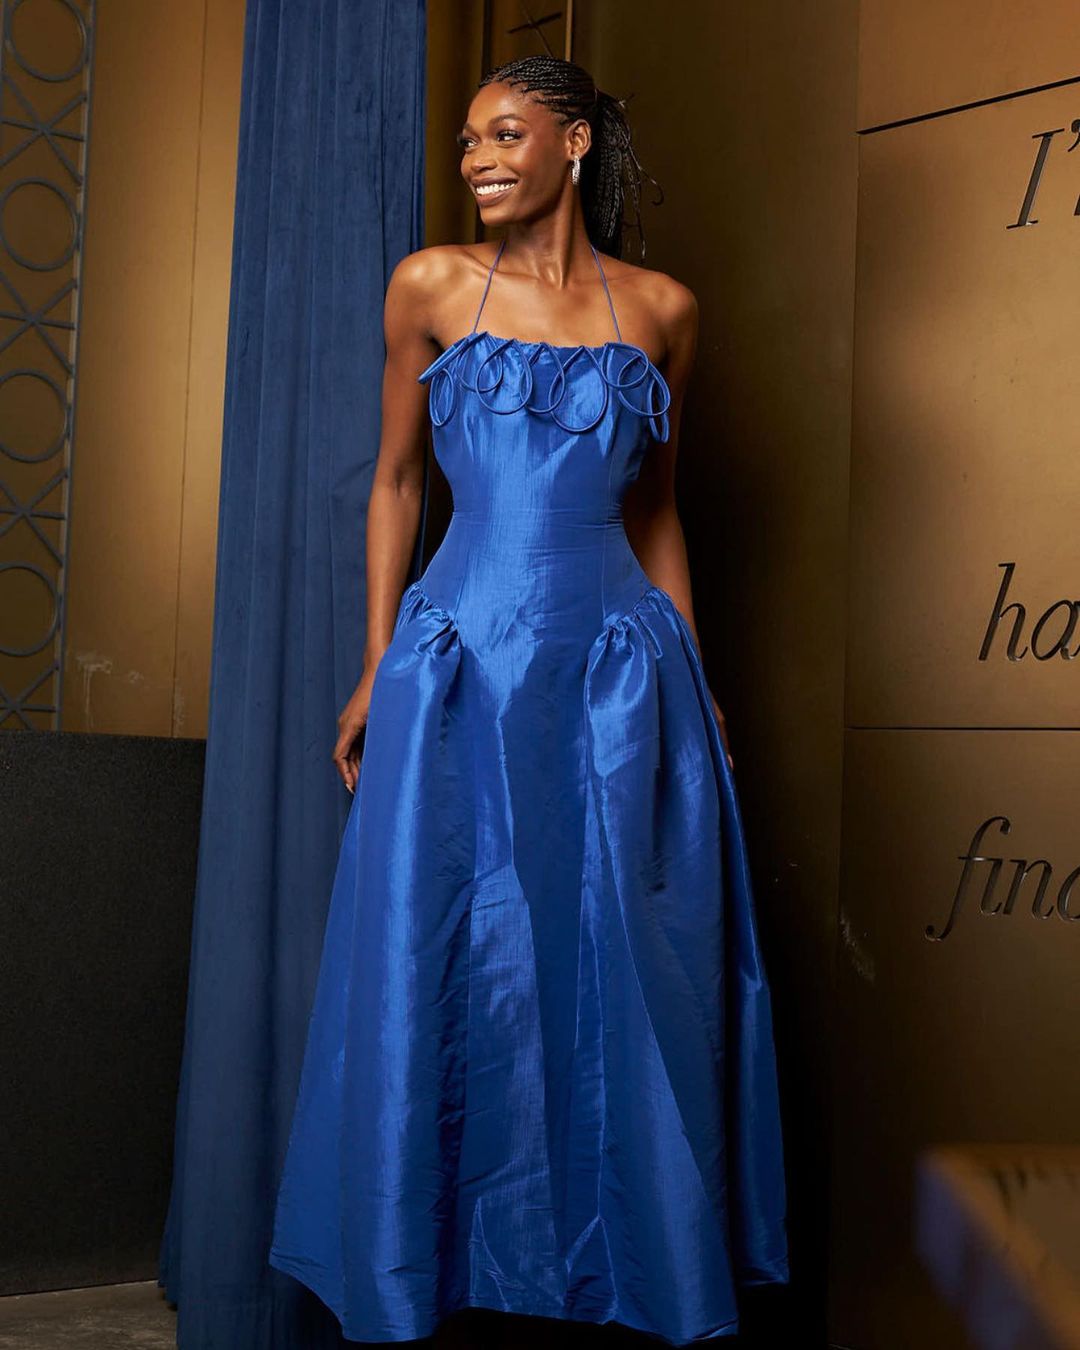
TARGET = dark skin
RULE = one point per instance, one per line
(548, 289)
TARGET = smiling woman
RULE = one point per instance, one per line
(610, 174)
(540, 1074)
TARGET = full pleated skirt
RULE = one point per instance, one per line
(540, 1073)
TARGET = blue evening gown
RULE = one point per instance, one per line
(540, 1073)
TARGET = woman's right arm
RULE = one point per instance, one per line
(393, 513)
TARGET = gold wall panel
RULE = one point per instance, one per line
(972, 1037)
(152, 354)
(454, 56)
(966, 427)
(211, 275)
(920, 57)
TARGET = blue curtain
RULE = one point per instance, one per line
(329, 198)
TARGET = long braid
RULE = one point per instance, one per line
(611, 171)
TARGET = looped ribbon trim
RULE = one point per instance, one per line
(505, 380)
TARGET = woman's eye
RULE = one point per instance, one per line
(463, 142)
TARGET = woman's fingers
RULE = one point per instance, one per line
(723, 732)
(346, 757)
(352, 765)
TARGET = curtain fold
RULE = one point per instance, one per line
(329, 198)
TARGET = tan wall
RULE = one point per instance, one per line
(958, 1007)
(151, 366)
(923, 57)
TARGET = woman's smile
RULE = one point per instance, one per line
(494, 189)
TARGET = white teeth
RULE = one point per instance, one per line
(491, 189)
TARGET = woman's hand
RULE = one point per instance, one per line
(723, 730)
(351, 721)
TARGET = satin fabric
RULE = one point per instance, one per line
(540, 1073)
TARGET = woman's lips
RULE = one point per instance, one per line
(494, 193)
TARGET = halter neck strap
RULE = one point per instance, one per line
(603, 278)
(600, 268)
(491, 269)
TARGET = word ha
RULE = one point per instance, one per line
(1051, 634)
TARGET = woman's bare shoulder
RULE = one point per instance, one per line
(672, 303)
(429, 271)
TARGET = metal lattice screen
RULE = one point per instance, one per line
(45, 79)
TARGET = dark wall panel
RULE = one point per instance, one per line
(97, 877)
(745, 115)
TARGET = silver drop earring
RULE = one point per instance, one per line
(575, 172)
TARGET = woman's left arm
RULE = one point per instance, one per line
(650, 513)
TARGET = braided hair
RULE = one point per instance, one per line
(610, 172)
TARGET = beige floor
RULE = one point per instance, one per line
(136, 1317)
(106, 1317)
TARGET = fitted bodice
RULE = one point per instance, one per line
(539, 443)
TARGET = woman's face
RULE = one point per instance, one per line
(515, 146)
